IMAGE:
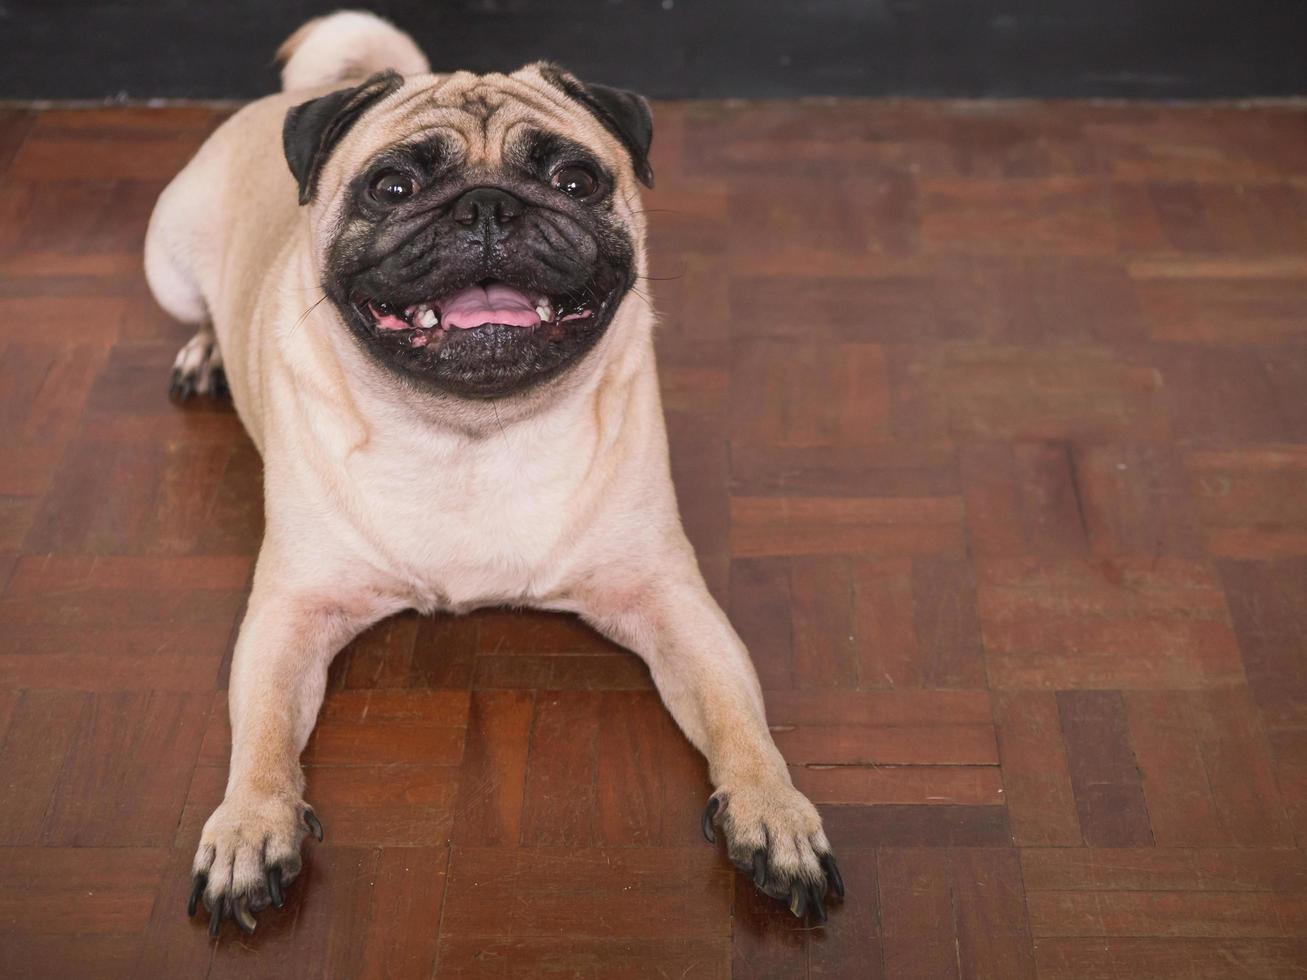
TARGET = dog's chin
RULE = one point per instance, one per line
(519, 339)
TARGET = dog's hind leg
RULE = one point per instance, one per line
(174, 249)
(174, 245)
(198, 368)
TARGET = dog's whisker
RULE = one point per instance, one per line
(305, 315)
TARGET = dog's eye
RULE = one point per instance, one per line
(392, 187)
(575, 181)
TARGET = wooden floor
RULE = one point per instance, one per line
(990, 426)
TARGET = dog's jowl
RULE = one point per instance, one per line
(418, 289)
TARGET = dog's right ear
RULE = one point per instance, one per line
(314, 128)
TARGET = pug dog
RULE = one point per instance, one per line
(418, 289)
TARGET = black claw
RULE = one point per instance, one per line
(759, 867)
(218, 386)
(274, 887)
(197, 889)
(215, 917)
(798, 900)
(815, 903)
(314, 825)
(833, 873)
(709, 812)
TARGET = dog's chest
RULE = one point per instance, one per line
(484, 524)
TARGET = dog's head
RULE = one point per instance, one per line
(478, 234)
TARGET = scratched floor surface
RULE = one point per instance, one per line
(990, 426)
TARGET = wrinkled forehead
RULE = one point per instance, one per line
(477, 118)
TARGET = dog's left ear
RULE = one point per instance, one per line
(313, 129)
(624, 114)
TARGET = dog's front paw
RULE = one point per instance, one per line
(774, 835)
(249, 853)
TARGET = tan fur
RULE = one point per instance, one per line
(380, 500)
(350, 44)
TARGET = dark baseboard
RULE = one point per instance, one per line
(1169, 49)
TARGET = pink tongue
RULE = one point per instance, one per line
(496, 303)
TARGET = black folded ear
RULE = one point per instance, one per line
(314, 128)
(624, 114)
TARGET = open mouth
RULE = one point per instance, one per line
(490, 302)
(487, 337)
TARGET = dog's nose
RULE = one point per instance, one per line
(488, 207)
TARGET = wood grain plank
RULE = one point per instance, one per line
(1136, 501)
(887, 527)
(1181, 810)
(871, 785)
(1207, 869)
(917, 924)
(407, 899)
(42, 733)
(1268, 608)
(1104, 775)
(381, 657)
(821, 610)
(317, 938)
(989, 908)
(1036, 779)
(636, 893)
(479, 958)
(1239, 770)
(1189, 914)
(78, 891)
(759, 607)
(918, 826)
(493, 777)
(766, 940)
(1123, 623)
(75, 911)
(388, 728)
(775, 401)
(651, 783)
(884, 625)
(904, 707)
(947, 624)
(127, 774)
(561, 800)
(851, 948)
(902, 745)
(1112, 958)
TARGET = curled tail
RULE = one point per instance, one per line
(346, 46)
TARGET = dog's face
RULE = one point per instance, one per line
(478, 233)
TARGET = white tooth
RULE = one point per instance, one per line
(545, 309)
(427, 318)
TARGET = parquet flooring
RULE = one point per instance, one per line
(989, 424)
